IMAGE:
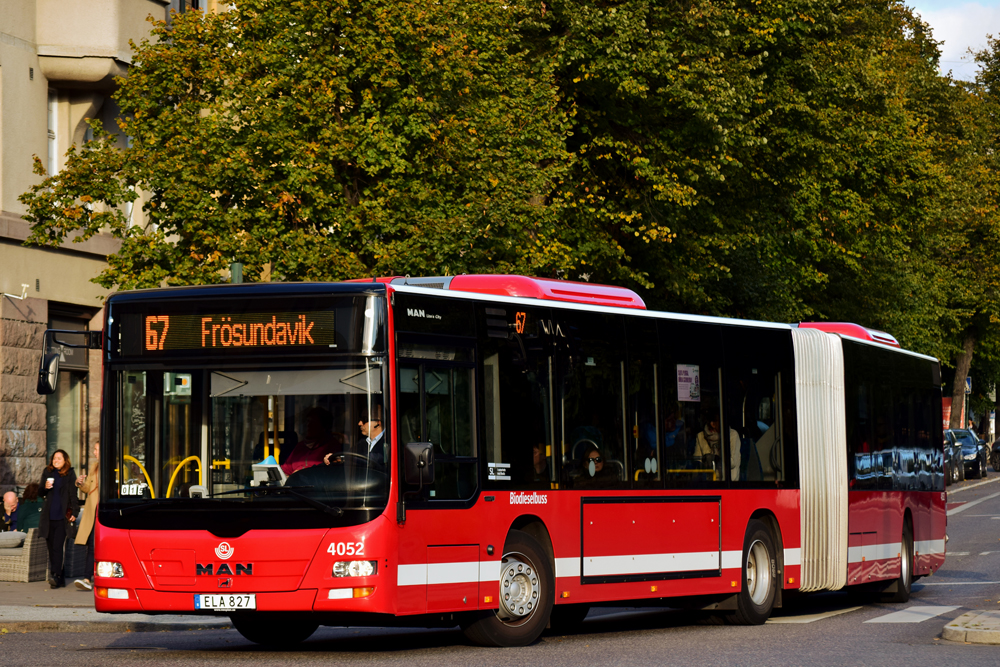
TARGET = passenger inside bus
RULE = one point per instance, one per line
(708, 449)
(317, 443)
(540, 463)
(597, 472)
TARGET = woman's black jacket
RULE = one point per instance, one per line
(67, 493)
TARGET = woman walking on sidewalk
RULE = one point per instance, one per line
(60, 509)
(85, 532)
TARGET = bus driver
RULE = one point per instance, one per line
(371, 445)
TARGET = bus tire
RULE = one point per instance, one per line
(755, 601)
(269, 630)
(904, 584)
(526, 596)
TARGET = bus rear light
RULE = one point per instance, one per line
(355, 568)
(110, 569)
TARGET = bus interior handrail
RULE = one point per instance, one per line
(180, 465)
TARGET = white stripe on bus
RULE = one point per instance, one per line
(422, 574)
(875, 552)
(650, 563)
(929, 547)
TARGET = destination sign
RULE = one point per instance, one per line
(163, 333)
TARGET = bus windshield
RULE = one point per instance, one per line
(246, 433)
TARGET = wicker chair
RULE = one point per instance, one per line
(26, 563)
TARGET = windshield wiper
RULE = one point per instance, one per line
(312, 502)
(153, 502)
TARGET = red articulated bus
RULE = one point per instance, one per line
(499, 453)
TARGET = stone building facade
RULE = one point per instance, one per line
(58, 61)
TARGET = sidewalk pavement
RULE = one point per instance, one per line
(974, 627)
(34, 607)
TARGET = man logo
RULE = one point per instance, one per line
(225, 583)
(224, 551)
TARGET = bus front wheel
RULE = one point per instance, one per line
(271, 631)
(755, 600)
(526, 596)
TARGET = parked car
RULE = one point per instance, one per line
(953, 464)
(974, 453)
(995, 456)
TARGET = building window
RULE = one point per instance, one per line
(53, 115)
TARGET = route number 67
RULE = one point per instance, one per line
(346, 548)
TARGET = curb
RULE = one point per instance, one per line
(112, 627)
(974, 627)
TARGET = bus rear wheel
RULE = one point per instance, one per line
(526, 596)
(268, 630)
(904, 584)
(755, 601)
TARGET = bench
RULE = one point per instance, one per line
(28, 562)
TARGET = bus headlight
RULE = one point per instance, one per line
(110, 569)
(354, 568)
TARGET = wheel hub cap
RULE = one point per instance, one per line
(518, 589)
(758, 573)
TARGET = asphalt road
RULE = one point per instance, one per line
(820, 629)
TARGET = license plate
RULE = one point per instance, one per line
(226, 602)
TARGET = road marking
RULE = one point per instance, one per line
(966, 506)
(987, 553)
(912, 615)
(972, 486)
(958, 553)
(956, 583)
(810, 618)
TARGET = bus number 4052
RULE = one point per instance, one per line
(346, 548)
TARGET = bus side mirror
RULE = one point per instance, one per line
(418, 463)
(48, 370)
(48, 374)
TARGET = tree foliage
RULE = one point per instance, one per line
(781, 161)
(331, 140)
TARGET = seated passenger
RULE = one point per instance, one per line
(540, 463)
(317, 442)
(709, 451)
(595, 473)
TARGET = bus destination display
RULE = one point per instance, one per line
(245, 330)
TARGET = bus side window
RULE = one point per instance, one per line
(691, 355)
(592, 384)
(647, 425)
(436, 405)
(517, 372)
(756, 362)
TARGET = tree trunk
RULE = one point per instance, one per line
(962, 363)
(996, 411)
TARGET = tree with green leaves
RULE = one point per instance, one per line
(328, 140)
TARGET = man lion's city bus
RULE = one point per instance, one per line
(499, 453)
